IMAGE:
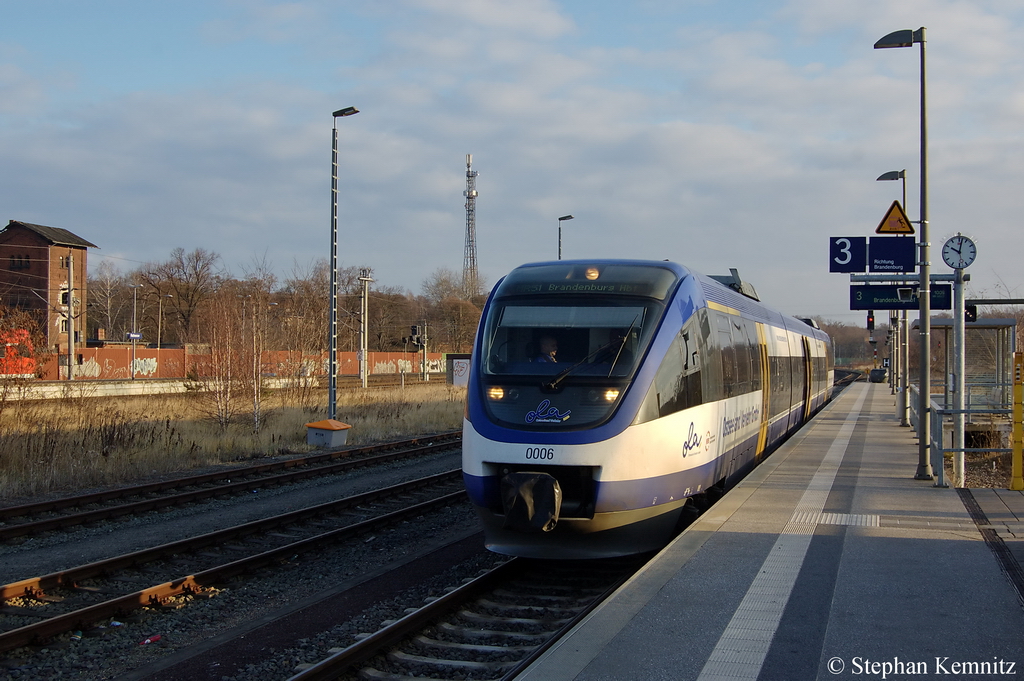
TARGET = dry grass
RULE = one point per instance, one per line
(81, 442)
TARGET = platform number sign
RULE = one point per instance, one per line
(847, 254)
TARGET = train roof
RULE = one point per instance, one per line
(724, 290)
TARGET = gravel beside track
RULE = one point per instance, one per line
(113, 652)
(53, 551)
(304, 635)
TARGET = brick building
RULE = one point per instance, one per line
(35, 264)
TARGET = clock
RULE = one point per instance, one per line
(959, 252)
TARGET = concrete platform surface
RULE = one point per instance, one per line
(829, 561)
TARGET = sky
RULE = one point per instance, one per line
(718, 134)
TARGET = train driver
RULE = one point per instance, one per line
(548, 349)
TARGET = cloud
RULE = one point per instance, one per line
(744, 141)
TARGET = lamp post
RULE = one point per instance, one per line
(560, 221)
(900, 346)
(907, 38)
(135, 329)
(332, 360)
(896, 175)
(160, 321)
(364, 314)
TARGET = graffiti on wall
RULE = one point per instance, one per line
(116, 363)
(144, 366)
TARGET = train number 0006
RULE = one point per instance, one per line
(540, 453)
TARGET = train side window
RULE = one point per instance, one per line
(693, 347)
(754, 345)
(780, 393)
(668, 381)
(741, 351)
(677, 383)
(728, 353)
(711, 365)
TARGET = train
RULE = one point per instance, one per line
(609, 402)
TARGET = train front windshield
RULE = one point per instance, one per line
(561, 342)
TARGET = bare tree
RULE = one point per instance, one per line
(302, 311)
(441, 285)
(106, 298)
(192, 278)
(389, 306)
(220, 381)
(257, 291)
(850, 342)
(454, 324)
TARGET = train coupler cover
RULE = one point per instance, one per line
(531, 501)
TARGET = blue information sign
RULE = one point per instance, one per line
(847, 254)
(897, 297)
(891, 254)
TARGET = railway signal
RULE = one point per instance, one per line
(416, 338)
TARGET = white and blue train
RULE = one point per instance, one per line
(666, 387)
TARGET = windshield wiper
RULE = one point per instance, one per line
(565, 373)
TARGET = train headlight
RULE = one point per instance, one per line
(592, 273)
(603, 395)
(496, 393)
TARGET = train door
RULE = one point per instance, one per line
(766, 390)
(808, 378)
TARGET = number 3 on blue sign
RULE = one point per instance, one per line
(848, 253)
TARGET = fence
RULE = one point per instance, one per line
(979, 405)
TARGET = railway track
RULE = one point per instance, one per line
(40, 608)
(30, 519)
(490, 628)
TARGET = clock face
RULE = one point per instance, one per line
(959, 252)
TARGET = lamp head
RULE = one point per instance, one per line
(347, 111)
(904, 38)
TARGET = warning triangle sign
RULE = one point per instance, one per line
(895, 221)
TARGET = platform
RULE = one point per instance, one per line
(829, 561)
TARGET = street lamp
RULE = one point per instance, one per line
(332, 363)
(907, 38)
(560, 220)
(902, 352)
(160, 321)
(896, 175)
(364, 315)
(134, 335)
